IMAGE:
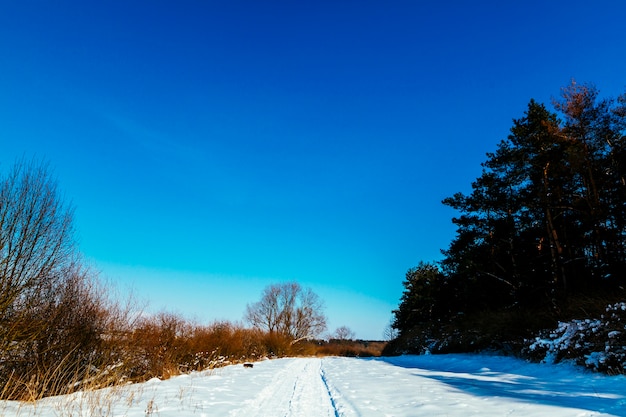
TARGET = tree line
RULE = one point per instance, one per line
(543, 230)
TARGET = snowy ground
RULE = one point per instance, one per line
(437, 385)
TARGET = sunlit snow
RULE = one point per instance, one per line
(431, 385)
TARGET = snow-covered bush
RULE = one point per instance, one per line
(598, 344)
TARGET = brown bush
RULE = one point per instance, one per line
(350, 348)
(64, 345)
(167, 344)
(156, 347)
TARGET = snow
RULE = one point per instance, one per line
(567, 335)
(430, 385)
(599, 341)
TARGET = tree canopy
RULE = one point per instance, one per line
(544, 222)
(290, 310)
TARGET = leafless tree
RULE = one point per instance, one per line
(36, 242)
(57, 323)
(43, 307)
(344, 333)
(390, 333)
(288, 309)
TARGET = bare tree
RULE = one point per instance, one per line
(57, 325)
(36, 242)
(344, 333)
(288, 309)
(390, 333)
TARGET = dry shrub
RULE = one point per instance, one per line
(157, 347)
(304, 348)
(64, 347)
(235, 343)
(167, 345)
(350, 348)
(277, 344)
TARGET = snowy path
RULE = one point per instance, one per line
(295, 390)
(446, 385)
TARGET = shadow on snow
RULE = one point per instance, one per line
(494, 376)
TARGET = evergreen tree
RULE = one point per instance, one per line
(595, 131)
(546, 217)
(545, 220)
(423, 298)
(507, 222)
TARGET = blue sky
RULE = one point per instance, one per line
(211, 148)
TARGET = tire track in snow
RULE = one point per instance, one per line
(298, 390)
(330, 394)
(343, 407)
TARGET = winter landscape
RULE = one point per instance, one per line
(319, 209)
(429, 385)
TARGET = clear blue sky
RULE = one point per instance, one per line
(211, 148)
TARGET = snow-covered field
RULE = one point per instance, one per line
(437, 385)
